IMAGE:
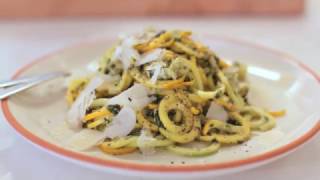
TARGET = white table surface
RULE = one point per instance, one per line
(22, 41)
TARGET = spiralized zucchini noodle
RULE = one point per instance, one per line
(181, 92)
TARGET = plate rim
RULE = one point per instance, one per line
(148, 167)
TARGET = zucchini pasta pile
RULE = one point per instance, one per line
(163, 90)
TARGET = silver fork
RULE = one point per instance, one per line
(9, 88)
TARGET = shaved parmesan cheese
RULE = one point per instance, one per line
(126, 53)
(140, 38)
(147, 35)
(122, 124)
(85, 139)
(156, 73)
(135, 97)
(108, 80)
(127, 57)
(217, 112)
(79, 107)
(156, 67)
(117, 53)
(130, 41)
(93, 66)
(151, 56)
(144, 139)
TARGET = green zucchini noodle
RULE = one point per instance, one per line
(186, 82)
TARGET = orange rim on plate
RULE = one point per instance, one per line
(154, 167)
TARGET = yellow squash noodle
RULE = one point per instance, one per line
(258, 118)
(227, 133)
(185, 89)
(171, 103)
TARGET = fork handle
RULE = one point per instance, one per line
(6, 84)
(15, 86)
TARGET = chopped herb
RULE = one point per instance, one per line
(233, 122)
(149, 113)
(114, 108)
(157, 97)
(135, 132)
(101, 127)
(89, 110)
(187, 79)
(216, 58)
(171, 113)
(140, 68)
(157, 119)
(151, 73)
(215, 130)
(245, 98)
(203, 119)
(205, 109)
(84, 125)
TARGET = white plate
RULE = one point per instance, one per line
(277, 82)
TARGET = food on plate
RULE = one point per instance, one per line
(163, 90)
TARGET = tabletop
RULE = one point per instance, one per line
(22, 41)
